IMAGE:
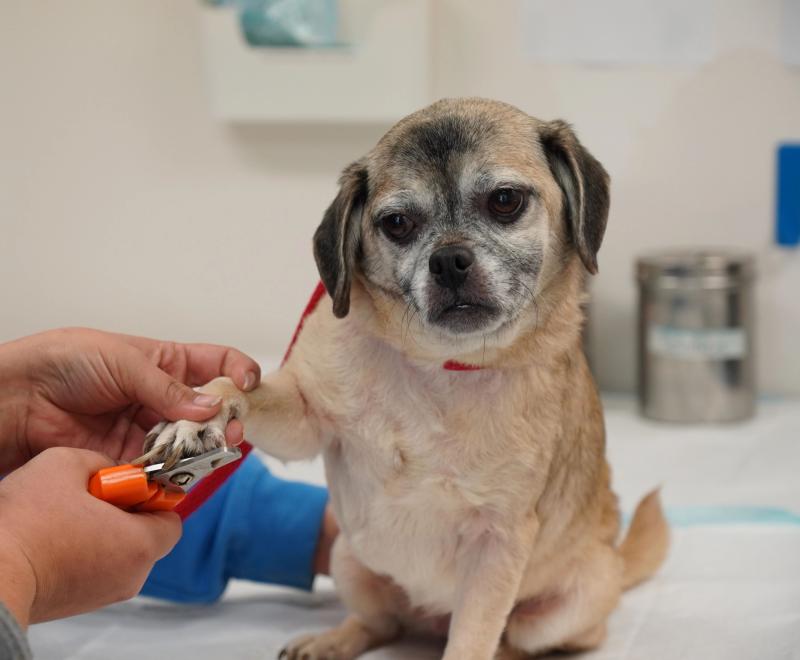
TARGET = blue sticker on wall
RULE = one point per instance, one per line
(787, 229)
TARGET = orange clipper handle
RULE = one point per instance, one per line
(122, 485)
(163, 500)
(127, 487)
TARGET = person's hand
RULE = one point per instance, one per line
(96, 390)
(62, 551)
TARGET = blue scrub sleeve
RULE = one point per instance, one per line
(255, 527)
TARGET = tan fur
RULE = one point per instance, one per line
(644, 548)
(483, 496)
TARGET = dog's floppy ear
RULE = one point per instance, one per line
(337, 238)
(585, 185)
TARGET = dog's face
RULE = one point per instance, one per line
(464, 211)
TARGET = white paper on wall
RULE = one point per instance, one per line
(615, 32)
(790, 32)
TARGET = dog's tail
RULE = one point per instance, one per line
(644, 547)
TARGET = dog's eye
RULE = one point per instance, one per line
(505, 203)
(397, 226)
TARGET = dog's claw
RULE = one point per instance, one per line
(169, 442)
(150, 438)
(174, 454)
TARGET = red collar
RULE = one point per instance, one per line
(452, 365)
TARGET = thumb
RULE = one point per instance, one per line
(157, 390)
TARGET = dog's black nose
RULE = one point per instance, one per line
(450, 265)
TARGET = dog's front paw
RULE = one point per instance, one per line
(325, 646)
(345, 642)
(169, 442)
(330, 645)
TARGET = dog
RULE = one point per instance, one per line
(446, 388)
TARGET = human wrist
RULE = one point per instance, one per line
(17, 580)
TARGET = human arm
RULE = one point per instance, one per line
(255, 527)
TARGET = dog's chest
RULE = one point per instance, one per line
(419, 471)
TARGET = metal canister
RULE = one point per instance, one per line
(696, 336)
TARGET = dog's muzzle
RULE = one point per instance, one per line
(459, 300)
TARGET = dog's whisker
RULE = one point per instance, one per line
(412, 317)
(405, 327)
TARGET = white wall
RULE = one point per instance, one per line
(124, 205)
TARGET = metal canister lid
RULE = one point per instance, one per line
(705, 268)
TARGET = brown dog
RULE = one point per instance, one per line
(446, 388)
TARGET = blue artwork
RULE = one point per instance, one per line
(287, 23)
(787, 230)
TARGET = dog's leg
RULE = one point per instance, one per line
(574, 619)
(274, 414)
(374, 601)
(490, 576)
